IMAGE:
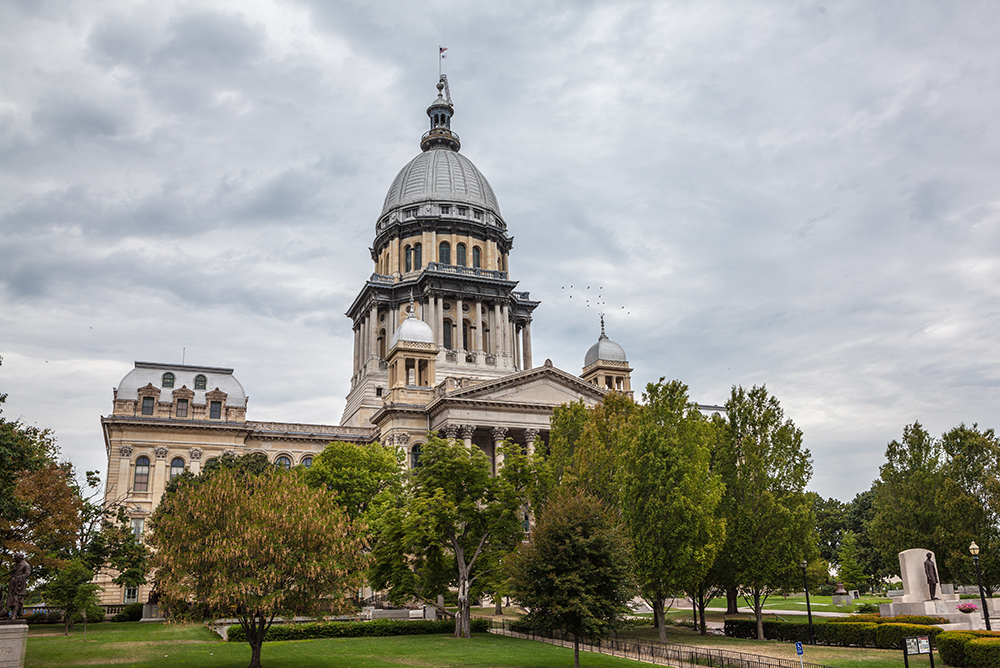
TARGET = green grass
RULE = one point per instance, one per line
(139, 645)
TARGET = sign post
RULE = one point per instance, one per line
(915, 645)
(798, 650)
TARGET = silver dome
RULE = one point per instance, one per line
(605, 350)
(412, 330)
(440, 174)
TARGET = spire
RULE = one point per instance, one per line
(440, 113)
(603, 335)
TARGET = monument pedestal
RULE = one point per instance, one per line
(13, 643)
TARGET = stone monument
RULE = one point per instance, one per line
(14, 631)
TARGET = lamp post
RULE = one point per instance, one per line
(805, 582)
(974, 550)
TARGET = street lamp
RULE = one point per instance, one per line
(974, 549)
(805, 582)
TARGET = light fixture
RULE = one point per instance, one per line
(974, 549)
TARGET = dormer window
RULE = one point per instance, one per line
(168, 380)
(445, 209)
(410, 213)
(215, 410)
(463, 211)
(147, 405)
(477, 214)
(182, 408)
(200, 382)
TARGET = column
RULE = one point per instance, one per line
(505, 328)
(467, 431)
(497, 330)
(373, 330)
(194, 465)
(429, 313)
(451, 431)
(124, 468)
(393, 322)
(499, 434)
(479, 325)
(439, 312)
(459, 320)
(529, 440)
(526, 345)
(159, 472)
(517, 347)
(357, 354)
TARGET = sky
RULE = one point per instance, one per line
(798, 194)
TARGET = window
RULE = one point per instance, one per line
(463, 211)
(147, 405)
(415, 456)
(138, 524)
(141, 480)
(307, 462)
(131, 594)
(215, 410)
(408, 252)
(410, 213)
(477, 214)
(447, 334)
(477, 257)
(200, 382)
(417, 259)
(465, 335)
(182, 408)
(445, 209)
(283, 462)
(378, 391)
(444, 253)
(168, 379)
(460, 255)
(176, 467)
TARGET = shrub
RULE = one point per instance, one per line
(375, 628)
(890, 636)
(951, 647)
(878, 619)
(866, 606)
(983, 652)
(37, 618)
(94, 615)
(54, 617)
(120, 617)
(857, 634)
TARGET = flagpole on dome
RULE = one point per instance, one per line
(441, 57)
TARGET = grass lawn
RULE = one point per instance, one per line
(842, 657)
(138, 644)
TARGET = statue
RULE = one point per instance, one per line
(17, 589)
(932, 578)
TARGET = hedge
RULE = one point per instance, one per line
(377, 627)
(923, 620)
(963, 648)
(887, 635)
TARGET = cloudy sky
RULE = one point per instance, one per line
(801, 194)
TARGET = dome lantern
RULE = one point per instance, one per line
(605, 365)
(440, 113)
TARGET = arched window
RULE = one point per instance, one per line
(408, 252)
(460, 255)
(141, 481)
(283, 462)
(307, 462)
(477, 256)
(415, 456)
(447, 334)
(417, 256)
(465, 335)
(168, 379)
(176, 467)
(444, 253)
(200, 382)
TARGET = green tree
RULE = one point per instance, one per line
(365, 477)
(255, 547)
(831, 523)
(600, 450)
(573, 573)
(769, 522)
(859, 514)
(669, 496)
(455, 521)
(73, 592)
(565, 428)
(849, 571)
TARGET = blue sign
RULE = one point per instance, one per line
(798, 648)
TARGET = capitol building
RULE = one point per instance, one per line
(442, 345)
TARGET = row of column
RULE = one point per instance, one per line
(507, 339)
(499, 433)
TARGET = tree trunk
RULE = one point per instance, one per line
(463, 625)
(732, 600)
(758, 613)
(66, 616)
(498, 605)
(701, 609)
(576, 651)
(255, 653)
(658, 615)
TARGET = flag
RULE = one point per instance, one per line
(441, 50)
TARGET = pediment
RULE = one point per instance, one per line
(544, 385)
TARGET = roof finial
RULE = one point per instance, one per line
(410, 309)
(603, 335)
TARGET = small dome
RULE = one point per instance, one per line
(605, 350)
(412, 330)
